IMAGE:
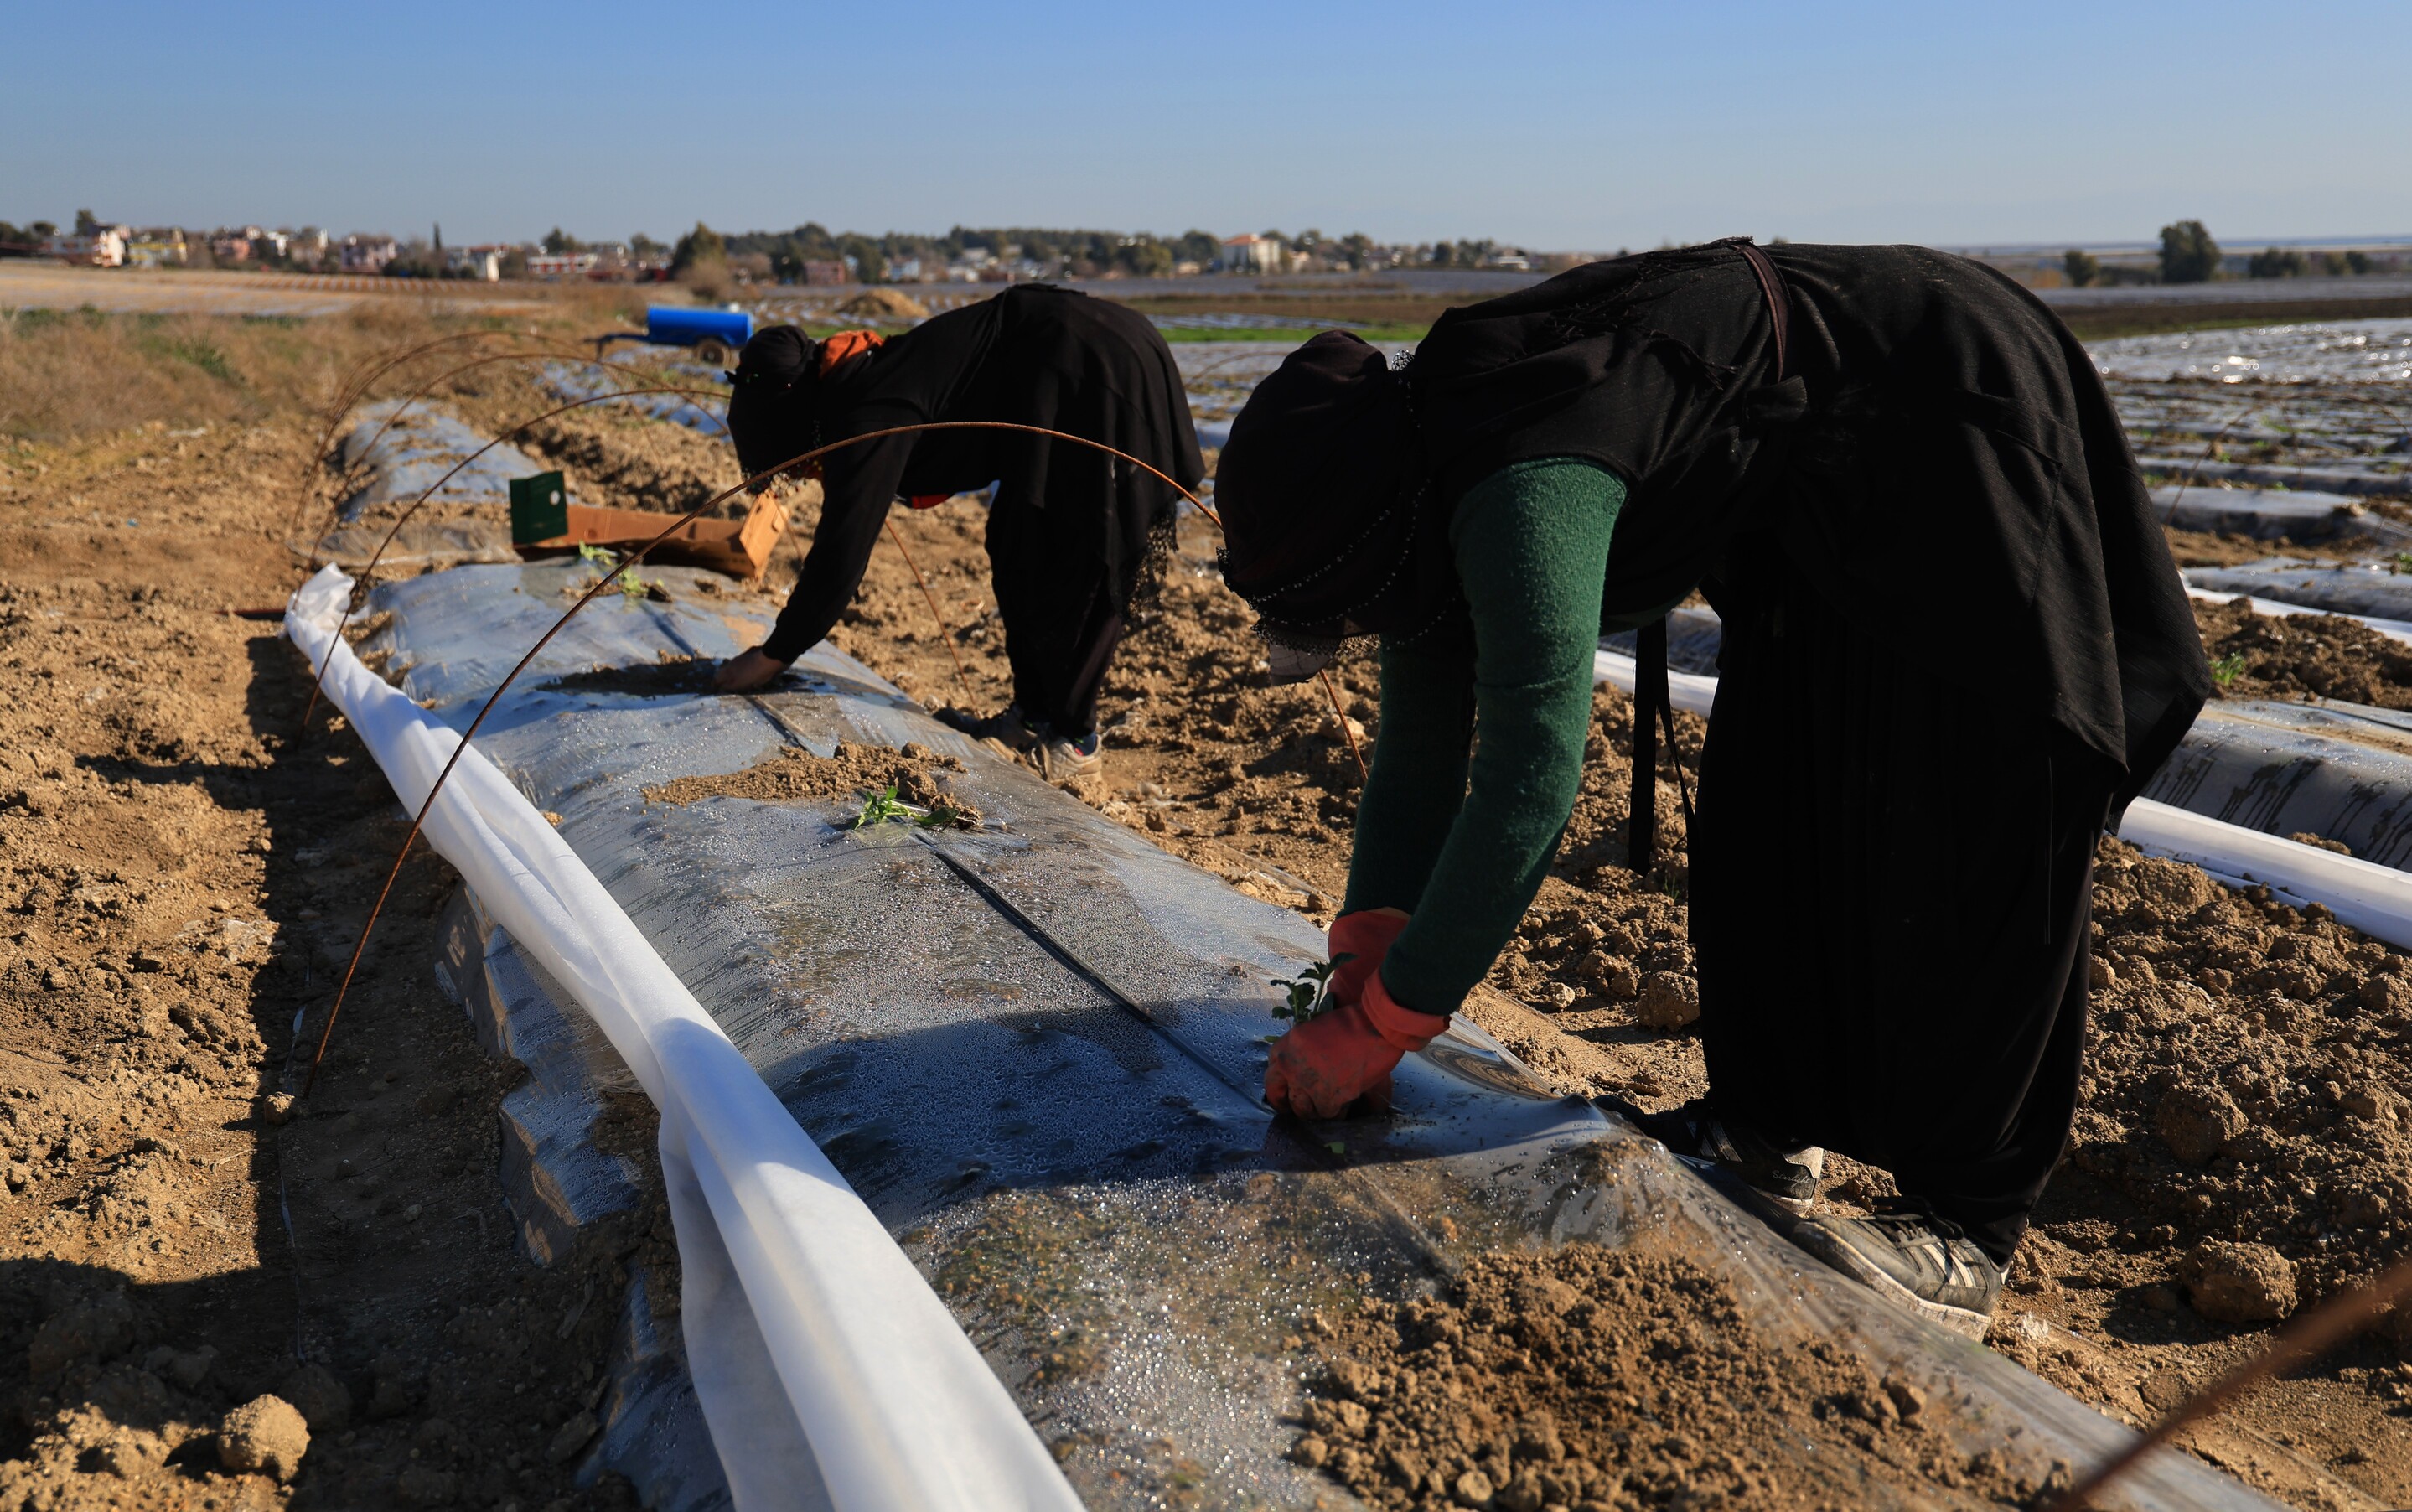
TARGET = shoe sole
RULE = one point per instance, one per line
(1831, 1248)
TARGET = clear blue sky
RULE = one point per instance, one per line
(1589, 126)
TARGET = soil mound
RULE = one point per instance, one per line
(2249, 1084)
(850, 774)
(883, 304)
(2299, 656)
(1592, 1379)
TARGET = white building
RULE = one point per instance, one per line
(104, 247)
(367, 253)
(1251, 254)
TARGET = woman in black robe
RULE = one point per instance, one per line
(1955, 647)
(1071, 530)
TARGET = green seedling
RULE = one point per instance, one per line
(631, 587)
(1307, 995)
(887, 808)
(2403, 562)
(2227, 669)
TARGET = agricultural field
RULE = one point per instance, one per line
(187, 859)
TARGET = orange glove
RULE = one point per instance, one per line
(1364, 937)
(1321, 1066)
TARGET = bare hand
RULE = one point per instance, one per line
(746, 671)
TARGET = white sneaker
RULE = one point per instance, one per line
(1061, 760)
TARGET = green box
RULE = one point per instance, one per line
(540, 508)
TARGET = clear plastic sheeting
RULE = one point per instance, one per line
(1036, 1051)
(2272, 514)
(569, 380)
(1693, 636)
(2354, 351)
(2341, 772)
(829, 1375)
(2358, 590)
(419, 447)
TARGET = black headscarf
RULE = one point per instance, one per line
(769, 407)
(1328, 513)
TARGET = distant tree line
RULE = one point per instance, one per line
(2190, 255)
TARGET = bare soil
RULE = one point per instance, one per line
(2299, 656)
(1602, 1380)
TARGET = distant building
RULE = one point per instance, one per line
(1251, 254)
(230, 247)
(103, 248)
(160, 246)
(367, 253)
(563, 264)
(482, 262)
(823, 273)
(307, 246)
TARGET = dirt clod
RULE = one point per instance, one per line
(2238, 1282)
(265, 1437)
(1667, 1000)
(2197, 1123)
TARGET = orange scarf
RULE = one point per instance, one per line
(851, 344)
(847, 343)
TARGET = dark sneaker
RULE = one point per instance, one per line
(1914, 1258)
(1009, 729)
(1787, 1177)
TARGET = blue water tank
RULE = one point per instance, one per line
(671, 325)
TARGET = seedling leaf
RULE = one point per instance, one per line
(1307, 995)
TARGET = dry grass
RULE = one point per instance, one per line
(71, 373)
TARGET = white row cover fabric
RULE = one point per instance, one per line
(2373, 899)
(2392, 629)
(829, 1371)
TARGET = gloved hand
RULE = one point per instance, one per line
(1324, 1065)
(1364, 937)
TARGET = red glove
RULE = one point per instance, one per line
(1364, 937)
(1324, 1065)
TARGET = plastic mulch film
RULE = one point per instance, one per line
(565, 380)
(419, 448)
(1035, 1050)
(829, 1375)
(2276, 514)
(2336, 590)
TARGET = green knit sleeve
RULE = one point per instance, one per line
(1462, 844)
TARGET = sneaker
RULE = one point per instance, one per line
(1915, 1257)
(1062, 758)
(1787, 1177)
(1009, 729)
